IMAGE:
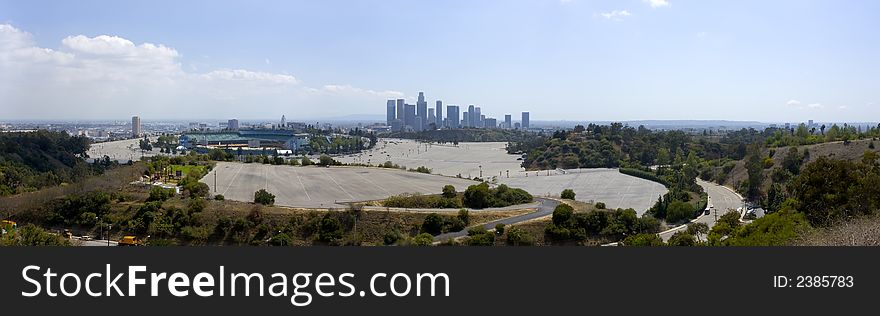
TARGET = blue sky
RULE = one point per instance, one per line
(574, 60)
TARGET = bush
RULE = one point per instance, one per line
(422, 169)
(264, 197)
(391, 237)
(329, 229)
(499, 229)
(600, 205)
(325, 160)
(198, 190)
(643, 240)
(281, 239)
(423, 239)
(306, 161)
(219, 197)
(682, 238)
(477, 196)
(650, 176)
(158, 193)
(484, 239)
(567, 194)
(519, 237)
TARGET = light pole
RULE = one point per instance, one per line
(481, 171)
(109, 227)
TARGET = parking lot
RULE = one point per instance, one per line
(121, 150)
(319, 186)
(615, 189)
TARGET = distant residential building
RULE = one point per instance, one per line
(507, 121)
(525, 120)
(232, 124)
(439, 114)
(389, 112)
(452, 116)
(136, 130)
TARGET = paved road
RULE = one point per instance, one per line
(545, 208)
(723, 198)
(93, 243)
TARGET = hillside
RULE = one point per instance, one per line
(33, 160)
(837, 150)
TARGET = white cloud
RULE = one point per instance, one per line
(657, 3)
(793, 103)
(616, 15)
(109, 76)
(815, 106)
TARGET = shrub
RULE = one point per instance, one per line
(219, 197)
(600, 205)
(499, 229)
(391, 237)
(464, 216)
(682, 238)
(477, 196)
(264, 197)
(158, 193)
(325, 160)
(643, 240)
(519, 237)
(567, 194)
(306, 161)
(423, 239)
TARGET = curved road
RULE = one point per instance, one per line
(545, 207)
(723, 198)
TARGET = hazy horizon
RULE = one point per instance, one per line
(572, 60)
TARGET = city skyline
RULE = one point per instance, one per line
(575, 60)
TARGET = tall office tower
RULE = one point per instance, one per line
(389, 112)
(439, 114)
(507, 121)
(490, 123)
(232, 124)
(409, 116)
(525, 120)
(483, 121)
(136, 126)
(283, 121)
(478, 118)
(401, 115)
(470, 116)
(465, 119)
(431, 119)
(422, 110)
(452, 118)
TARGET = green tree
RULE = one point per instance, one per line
(697, 229)
(464, 216)
(281, 239)
(449, 191)
(499, 229)
(329, 229)
(562, 215)
(264, 197)
(325, 160)
(567, 194)
(158, 193)
(679, 211)
(306, 161)
(682, 238)
(477, 196)
(433, 224)
(643, 240)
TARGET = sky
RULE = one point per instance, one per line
(770, 61)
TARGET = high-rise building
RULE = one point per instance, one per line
(401, 115)
(389, 112)
(490, 123)
(422, 106)
(477, 118)
(465, 119)
(469, 118)
(409, 115)
(482, 121)
(283, 121)
(525, 120)
(136, 130)
(232, 124)
(507, 121)
(452, 118)
(439, 114)
(431, 119)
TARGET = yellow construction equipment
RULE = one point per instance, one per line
(129, 240)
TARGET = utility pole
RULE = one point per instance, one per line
(215, 180)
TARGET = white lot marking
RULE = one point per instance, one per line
(373, 183)
(337, 184)
(232, 180)
(302, 184)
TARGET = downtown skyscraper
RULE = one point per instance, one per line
(422, 112)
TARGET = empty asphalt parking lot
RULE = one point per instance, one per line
(319, 186)
(615, 189)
